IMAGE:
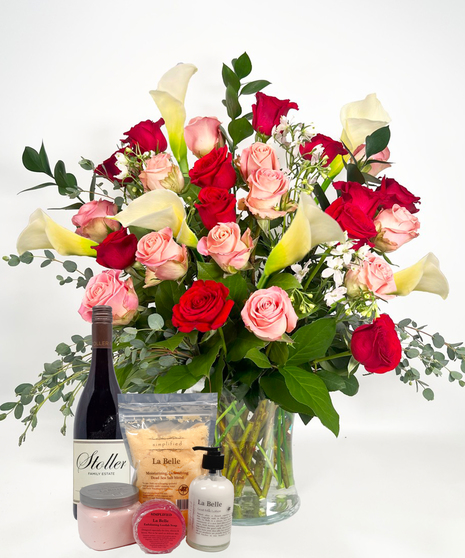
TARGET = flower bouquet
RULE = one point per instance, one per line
(257, 271)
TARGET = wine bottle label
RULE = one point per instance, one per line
(96, 461)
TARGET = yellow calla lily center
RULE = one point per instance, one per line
(169, 97)
(156, 210)
(424, 276)
(311, 226)
(42, 232)
(360, 119)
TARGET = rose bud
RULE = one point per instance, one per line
(107, 288)
(258, 156)
(267, 112)
(377, 345)
(374, 274)
(214, 169)
(117, 250)
(162, 256)
(160, 173)
(396, 227)
(202, 134)
(268, 314)
(91, 221)
(203, 307)
(227, 247)
(146, 136)
(331, 148)
(216, 206)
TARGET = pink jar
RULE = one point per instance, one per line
(105, 513)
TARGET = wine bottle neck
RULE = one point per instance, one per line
(102, 336)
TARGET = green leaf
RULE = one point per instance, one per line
(312, 341)
(310, 390)
(175, 379)
(279, 353)
(63, 349)
(238, 290)
(49, 255)
(405, 322)
(254, 86)
(354, 174)
(286, 281)
(167, 295)
(23, 388)
(70, 266)
(242, 345)
(258, 358)
(232, 103)
(438, 340)
(73, 206)
(456, 375)
(215, 384)
(38, 187)
(171, 343)
(155, 322)
(44, 161)
(26, 257)
(200, 365)
(8, 406)
(32, 160)
(428, 394)
(276, 389)
(240, 129)
(13, 260)
(65, 181)
(242, 65)
(230, 79)
(207, 271)
(86, 164)
(377, 141)
(19, 411)
(348, 385)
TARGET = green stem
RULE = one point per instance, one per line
(262, 282)
(332, 357)
(223, 341)
(317, 268)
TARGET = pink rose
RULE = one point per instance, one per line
(266, 187)
(395, 226)
(226, 246)
(268, 314)
(163, 258)
(373, 168)
(258, 156)
(202, 134)
(374, 275)
(160, 173)
(91, 220)
(107, 288)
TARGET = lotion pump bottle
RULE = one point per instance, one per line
(211, 502)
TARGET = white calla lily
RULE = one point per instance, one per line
(156, 210)
(42, 232)
(360, 119)
(311, 226)
(169, 97)
(424, 276)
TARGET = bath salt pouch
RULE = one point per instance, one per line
(159, 432)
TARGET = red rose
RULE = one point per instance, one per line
(109, 170)
(147, 136)
(203, 307)
(268, 111)
(393, 193)
(117, 250)
(377, 345)
(214, 169)
(216, 206)
(361, 196)
(353, 220)
(331, 148)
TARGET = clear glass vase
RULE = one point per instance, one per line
(258, 460)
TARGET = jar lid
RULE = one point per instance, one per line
(109, 495)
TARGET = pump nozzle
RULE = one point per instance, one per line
(212, 460)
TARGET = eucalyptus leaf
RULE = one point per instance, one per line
(155, 322)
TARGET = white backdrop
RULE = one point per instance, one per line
(77, 74)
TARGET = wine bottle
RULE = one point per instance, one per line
(99, 452)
